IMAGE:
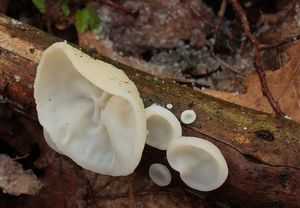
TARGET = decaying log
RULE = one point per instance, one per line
(262, 150)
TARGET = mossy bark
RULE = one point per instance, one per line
(262, 150)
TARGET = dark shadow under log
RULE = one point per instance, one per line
(262, 150)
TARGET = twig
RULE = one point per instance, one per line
(192, 81)
(141, 194)
(223, 63)
(285, 41)
(220, 16)
(217, 29)
(130, 194)
(20, 157)
(118, 6)
(257, 61)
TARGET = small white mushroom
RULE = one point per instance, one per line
(160, 174)
(188, 116)
(91, 110)
(200, 163)
(163, 127)
(169, 106)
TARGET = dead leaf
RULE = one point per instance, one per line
(16, 181)
(171, 21)
(104, 47)
(283, 83)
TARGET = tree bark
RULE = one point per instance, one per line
(262, 150)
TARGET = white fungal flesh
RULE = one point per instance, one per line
(200, 163)
(91, 110)
(50, 142)
(188, 116)
(160, 174)
(169, 106)
(163, 127)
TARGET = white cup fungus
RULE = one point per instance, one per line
(188, 116)
(200, 163)
(163, 127)
(160, 174)
(50, 142)
(91, 110)
(169, 106)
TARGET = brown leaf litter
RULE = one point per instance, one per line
(157, 24)
(16, 181)
(284, 84)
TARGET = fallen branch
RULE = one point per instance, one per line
(262, 150)
(285, 41)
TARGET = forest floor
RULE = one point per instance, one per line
(200, 44)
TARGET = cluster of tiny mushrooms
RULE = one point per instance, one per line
(93, 113)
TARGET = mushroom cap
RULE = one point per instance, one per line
(163, 127)
(200, 163)
(169, 106)
(92, 111)
(160, 174)
(188, 116)
(50, 142)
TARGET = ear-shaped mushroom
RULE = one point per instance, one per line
(160, 174)
(50, 142)
(200, 163)
(163, 127)
(91, 110)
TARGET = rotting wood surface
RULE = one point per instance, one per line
(262, 150)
